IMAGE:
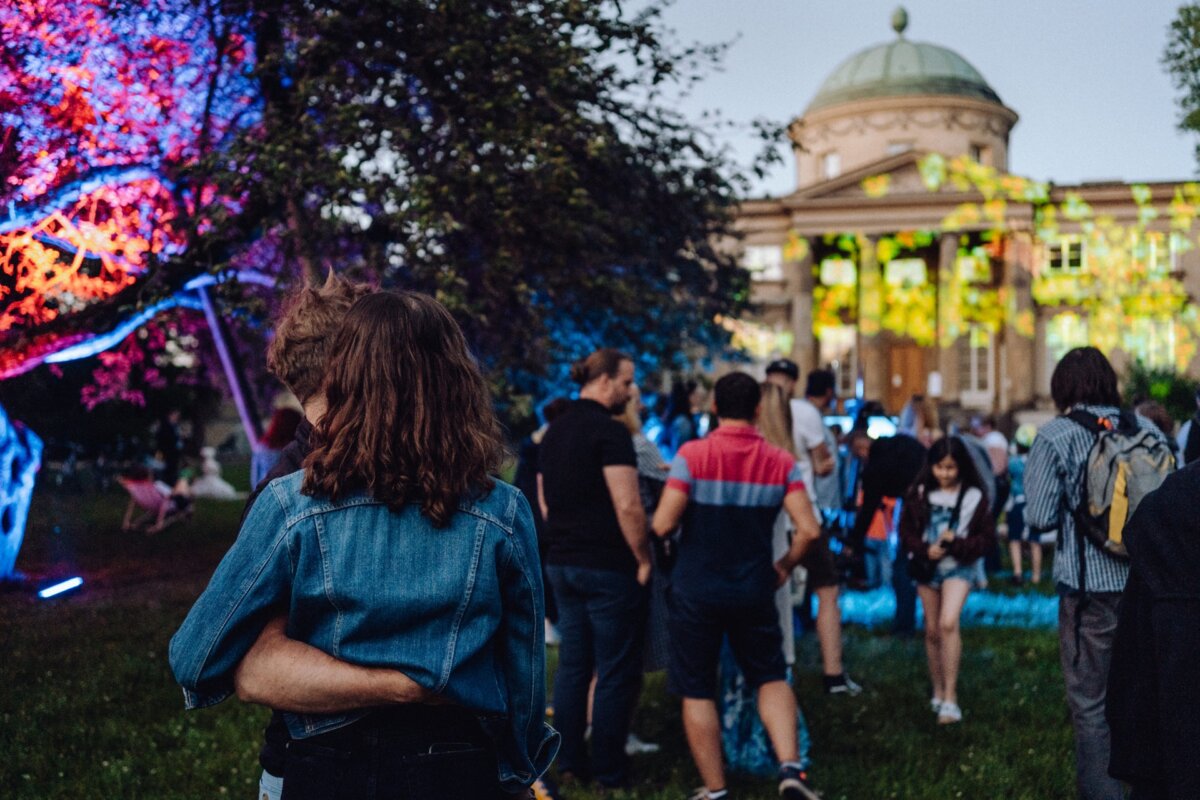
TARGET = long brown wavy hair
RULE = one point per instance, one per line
(409, 417)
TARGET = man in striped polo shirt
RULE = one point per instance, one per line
(727, 491)
(1088, 591)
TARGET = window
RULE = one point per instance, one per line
(1065, 255)
(974, 267)
(831, 165)
(838, 272)
(905, 272)
(1064, 332)
(980, 154)
(896, 148)
(839, 353)
(1156, 250)
(765, 262)
(1151, 340)
(976, 368)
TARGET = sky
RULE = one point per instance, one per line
(1085, 77)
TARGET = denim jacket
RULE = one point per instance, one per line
(459, 610)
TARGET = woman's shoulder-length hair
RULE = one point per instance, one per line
(408, 417)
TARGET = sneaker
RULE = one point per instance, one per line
(841, 684)
(935, 704)
(704, 794)
(949, 714)
(793, 785)
(636, 747)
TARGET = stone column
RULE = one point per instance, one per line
(946, 360)
(872, 349)
(1020, 384)
(800, 284)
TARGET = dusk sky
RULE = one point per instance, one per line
(1085, 77)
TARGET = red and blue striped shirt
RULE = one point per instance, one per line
(735, 482)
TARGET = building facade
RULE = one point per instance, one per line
(910, 261)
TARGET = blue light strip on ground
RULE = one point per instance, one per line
(59, 588)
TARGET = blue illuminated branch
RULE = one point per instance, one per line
(186, 298)
(29, 216)
(109, 339)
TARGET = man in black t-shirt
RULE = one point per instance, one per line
(598, 561)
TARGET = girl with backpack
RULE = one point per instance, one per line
(945, 529)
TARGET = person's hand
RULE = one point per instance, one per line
(783, 572)
(936, 551)
(643, 573)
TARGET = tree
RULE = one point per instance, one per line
(517, 159)
(1181, 57)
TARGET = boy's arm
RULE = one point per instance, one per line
(288, 675)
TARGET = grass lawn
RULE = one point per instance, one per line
(89, 708)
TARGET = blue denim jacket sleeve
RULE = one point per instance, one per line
(532, 744)
(251, 583)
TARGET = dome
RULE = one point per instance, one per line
(902, 68)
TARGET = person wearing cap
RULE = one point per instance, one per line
(784, 372)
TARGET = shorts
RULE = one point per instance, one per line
(818, 561)
(697, 629)
(971, 573)
(1018, 531)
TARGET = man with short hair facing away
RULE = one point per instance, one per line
(727, 490)
(598, 562)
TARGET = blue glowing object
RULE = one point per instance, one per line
(983, 609)
(109, 339)
(60, 587)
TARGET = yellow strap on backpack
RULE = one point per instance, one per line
(1119, 511)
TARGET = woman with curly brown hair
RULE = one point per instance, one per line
(394, 547)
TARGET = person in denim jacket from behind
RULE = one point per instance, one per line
(394, 548)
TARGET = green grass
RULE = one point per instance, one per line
(88, 707)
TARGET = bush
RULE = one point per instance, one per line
(1176, 391)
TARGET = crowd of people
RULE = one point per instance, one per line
(391, 599)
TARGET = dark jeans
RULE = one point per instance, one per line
(1087, 683)
(906, 597)
(405, 753)
(601, 620)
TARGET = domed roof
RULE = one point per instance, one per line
(901, 68)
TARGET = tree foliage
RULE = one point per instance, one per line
(518, 159)
(1181, 57)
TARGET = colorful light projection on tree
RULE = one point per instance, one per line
(1116, 275)
(106, 110)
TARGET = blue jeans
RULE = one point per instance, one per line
(602, 620)
(270, 787)
(906, 597)
(878, 563)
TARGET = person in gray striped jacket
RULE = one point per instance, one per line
(1087, 613)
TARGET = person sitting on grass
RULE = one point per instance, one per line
(161, 503)
(945, 529)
